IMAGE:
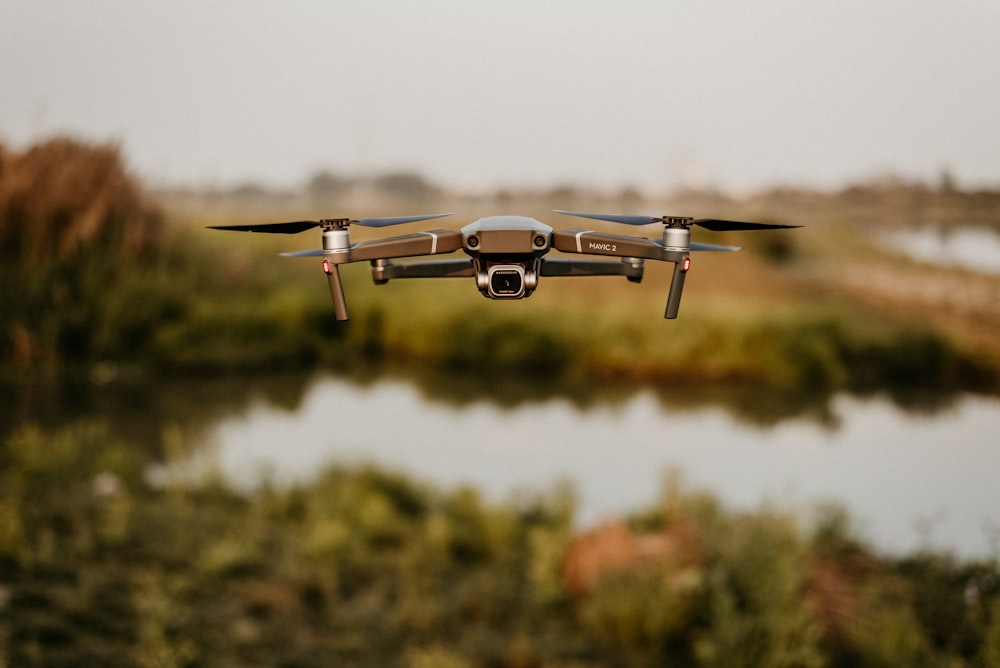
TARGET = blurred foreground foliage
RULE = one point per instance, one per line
(366, 567)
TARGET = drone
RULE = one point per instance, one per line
(507, 254)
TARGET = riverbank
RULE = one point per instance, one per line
(135, 292)
(370, 567)
(744, 321)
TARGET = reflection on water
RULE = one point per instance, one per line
(911, 480)
(976, 248)
(914, 470)
(745, 402)
(139, 413)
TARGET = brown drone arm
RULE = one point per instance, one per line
(631, 268)
(676, 288)
(336, 290)
(432, 242)
(602, 243)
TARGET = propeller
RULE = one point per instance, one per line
(271, 228)
(312, 252)
(698, 246)
(677, 240)
(713, 224)
(296, 226)
(335, 240)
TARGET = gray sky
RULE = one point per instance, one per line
(477, 94)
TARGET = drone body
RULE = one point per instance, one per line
(507, 254)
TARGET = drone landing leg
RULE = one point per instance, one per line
(676, 288)
(336, 290)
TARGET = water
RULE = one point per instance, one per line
(909, 480)
(975, 248)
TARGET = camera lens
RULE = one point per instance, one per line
(506, 282)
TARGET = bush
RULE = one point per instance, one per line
(63, 197)
(368, 567)
(73, 224)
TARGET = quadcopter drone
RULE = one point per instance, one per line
(507, 254)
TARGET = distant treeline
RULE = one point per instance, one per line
(885, 199)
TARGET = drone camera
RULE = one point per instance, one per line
(506, 281)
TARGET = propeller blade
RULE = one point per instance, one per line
(732, 225)
(713, 224)
(292, 227)
(696, 246)
(312, 252)
(612, 218)
(398, 220)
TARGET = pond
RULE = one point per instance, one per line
(910, 479)
(975, 248)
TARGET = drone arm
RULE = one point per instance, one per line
(383, 270)
(601, 243)
(431, 242)
(336, 290)
(629, 267)
(676, 288)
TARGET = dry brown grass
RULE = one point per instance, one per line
(63, 195)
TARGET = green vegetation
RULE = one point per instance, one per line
(367, 567)
(93, 281)
(99, 566)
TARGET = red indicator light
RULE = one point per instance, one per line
(326, 266)
(685, 264)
